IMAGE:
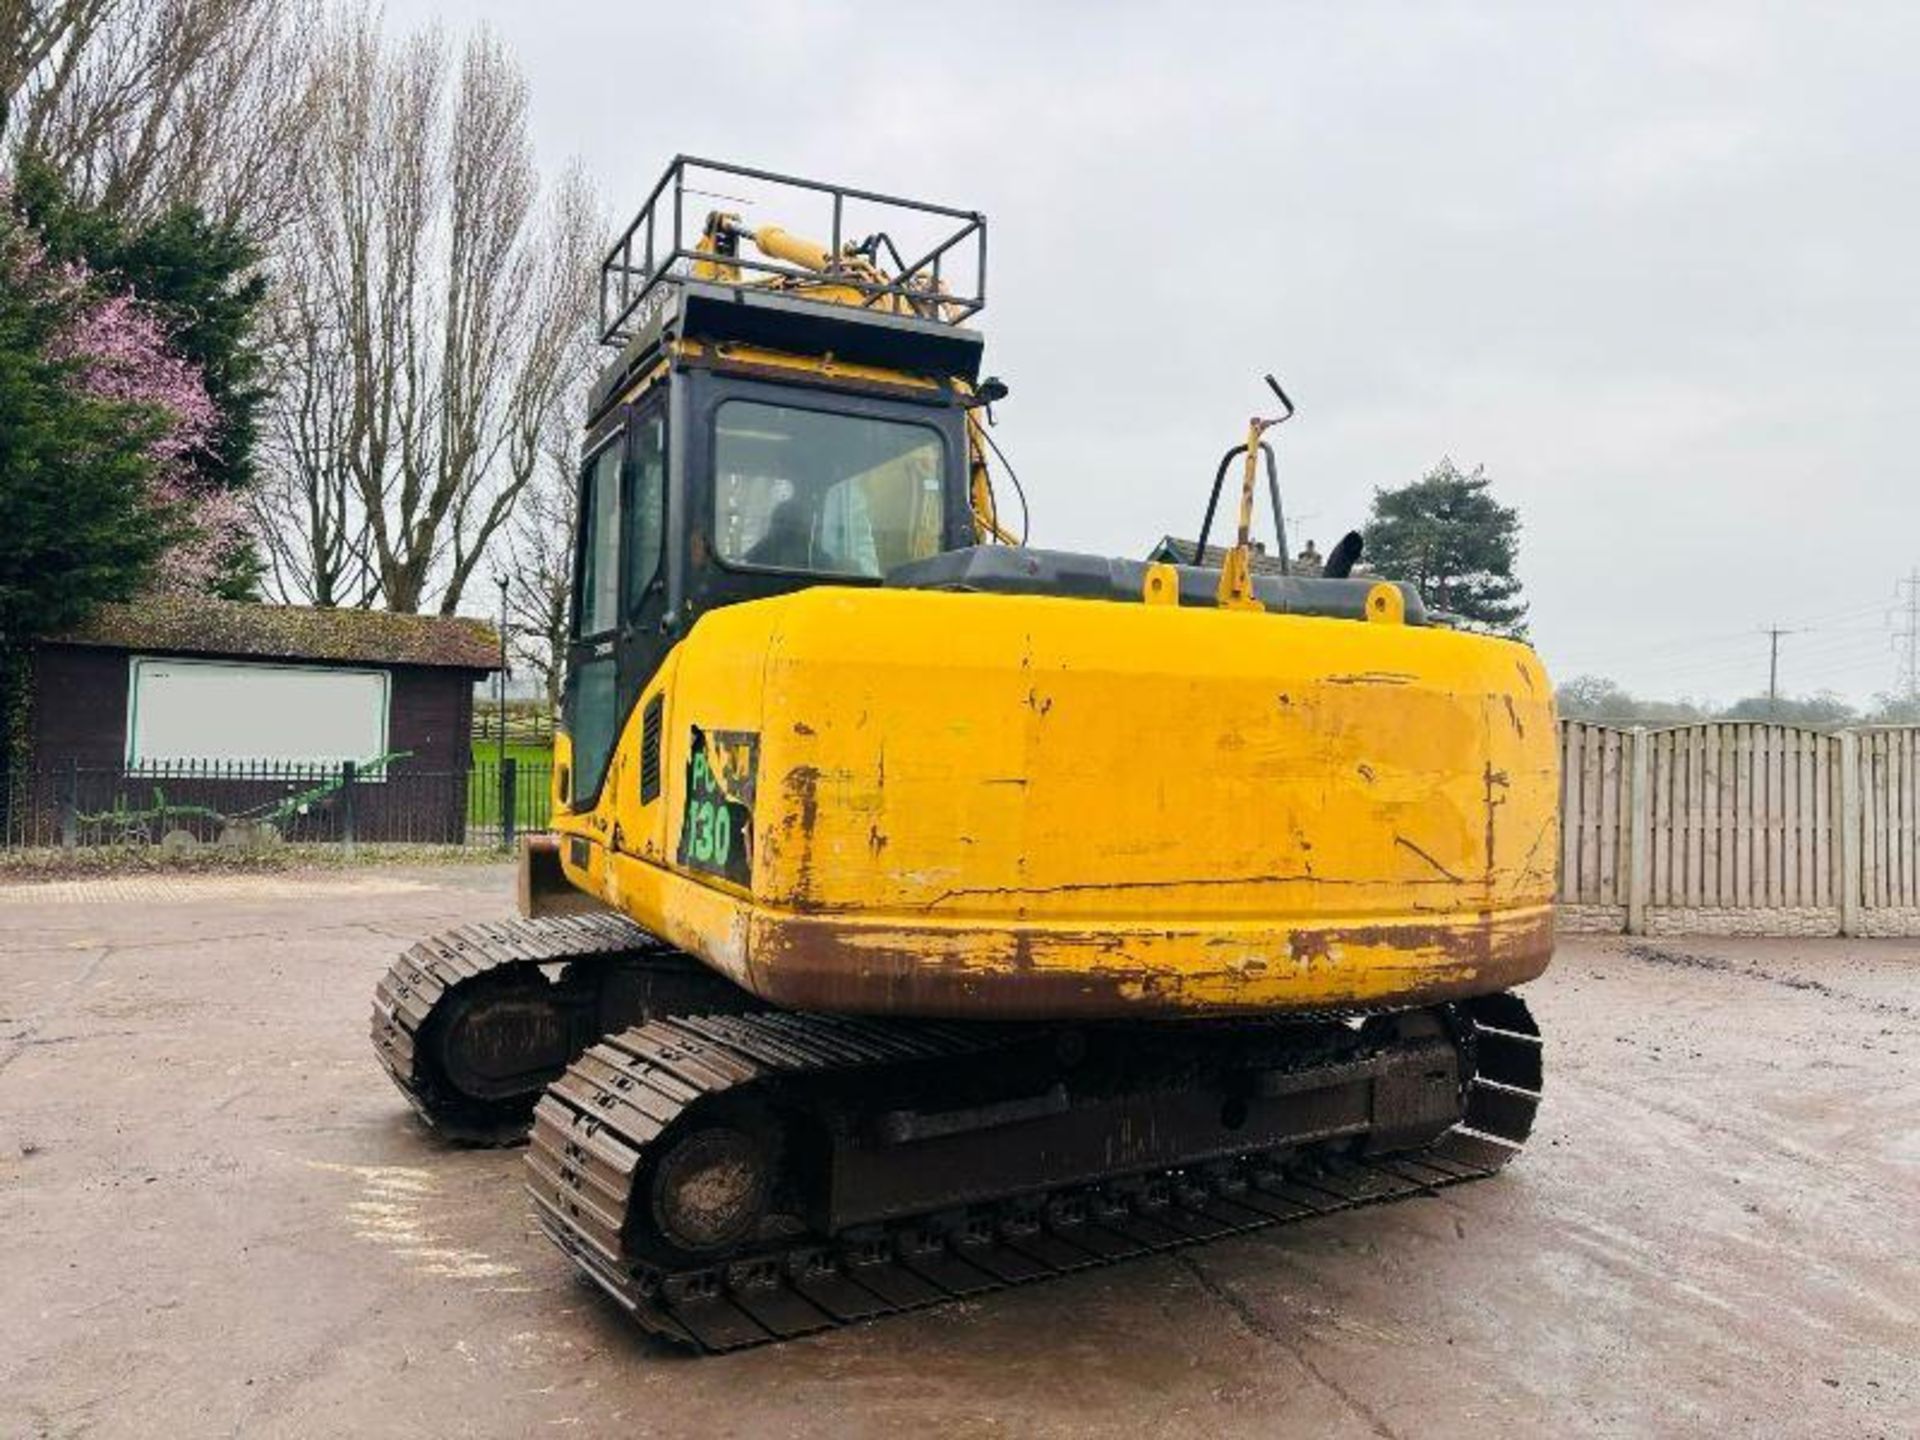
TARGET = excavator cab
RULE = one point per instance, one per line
(780, 414)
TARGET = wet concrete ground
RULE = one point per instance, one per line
(217, 1217)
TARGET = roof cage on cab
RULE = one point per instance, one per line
(862, 253)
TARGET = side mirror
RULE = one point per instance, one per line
(991, 390)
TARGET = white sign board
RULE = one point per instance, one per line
(231, 711)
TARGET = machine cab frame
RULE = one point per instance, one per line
(710, 487)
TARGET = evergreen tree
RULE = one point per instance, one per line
(1447, 535)
(78, 520)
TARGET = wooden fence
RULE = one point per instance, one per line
(1740, 828)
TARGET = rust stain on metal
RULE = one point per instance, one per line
(1513, 716)
(802, 815)
(1310, 946)
(1082, 886)
(814, 964)
(1373, 677)
(850, 968)
(1489, 955)
(803, 788)
(1548, 827)
(1492, 780)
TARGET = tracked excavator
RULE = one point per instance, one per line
(927, 912)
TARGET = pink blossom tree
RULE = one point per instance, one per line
(122, 354)
(116, 349)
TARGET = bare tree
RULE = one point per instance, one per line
(142, 104)
(539, 550)
(432, 334)
(40, 39)
(307, 514)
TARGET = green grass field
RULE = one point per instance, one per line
(532, 805)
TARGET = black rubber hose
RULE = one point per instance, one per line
(1213, 501)
(1026, 517)
(1273, 493)
(1345, 556)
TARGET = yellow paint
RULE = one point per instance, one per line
(1185, 808)
(1235, 591)
(778, 244)
(1386, 604)
(1162, 585)
(803, 366)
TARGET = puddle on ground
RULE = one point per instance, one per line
(394, 1210)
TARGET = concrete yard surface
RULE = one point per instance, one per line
(217, 1217)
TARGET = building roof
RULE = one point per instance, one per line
(201, 625)
(1174, 550)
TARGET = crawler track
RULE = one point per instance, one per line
(599, 1127)
(554, 985)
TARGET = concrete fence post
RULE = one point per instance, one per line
(1639, 828)
(1849, 837)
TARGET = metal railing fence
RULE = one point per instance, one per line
(183, 804)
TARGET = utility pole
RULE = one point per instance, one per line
(1773, 634)
(500, 579)
(509, 788)
(1907, 638)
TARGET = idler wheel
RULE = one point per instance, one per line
(503, 1038)
(710, 1189)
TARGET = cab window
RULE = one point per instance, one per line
(597, 597)
(824, 494)
(646, 506)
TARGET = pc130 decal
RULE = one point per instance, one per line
(716, 827)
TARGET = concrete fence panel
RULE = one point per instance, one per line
(1740, 828)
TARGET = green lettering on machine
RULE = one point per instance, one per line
(716, 822)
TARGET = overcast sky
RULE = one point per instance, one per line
(1653, 266)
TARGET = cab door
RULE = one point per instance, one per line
(619, 596)
(591, 700)
(644, 638)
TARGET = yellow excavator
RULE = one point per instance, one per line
(926, 912)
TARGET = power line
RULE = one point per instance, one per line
(1856, 650)
(1677, 652)
(1826, 669)
(1850, 613)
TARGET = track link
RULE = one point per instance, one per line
(436, 973)
(594, 1127)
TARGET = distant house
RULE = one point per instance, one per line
(1172, 550)
(184, 683)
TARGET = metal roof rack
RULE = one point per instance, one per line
(656, 250)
